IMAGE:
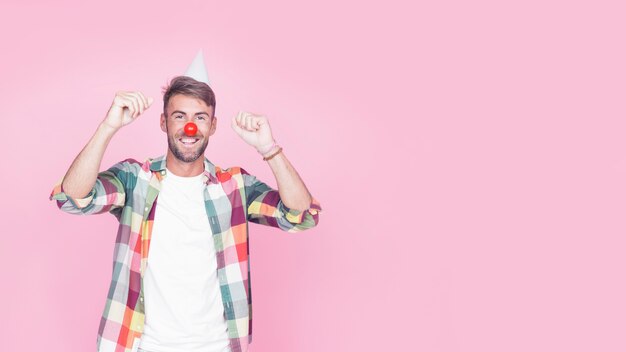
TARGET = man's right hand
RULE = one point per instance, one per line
(81, 177)
(126, 107)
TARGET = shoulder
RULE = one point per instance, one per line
(151, 164)
(128, 165)
(132, 169)
(237, 173)
(228, 172)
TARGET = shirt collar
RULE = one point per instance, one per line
(158, 165)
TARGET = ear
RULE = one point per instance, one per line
(163, 123)
(213, 125)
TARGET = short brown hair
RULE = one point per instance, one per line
(188, 86)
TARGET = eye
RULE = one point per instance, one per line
(201, 117)
(178, 116)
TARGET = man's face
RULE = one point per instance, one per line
(182, 109)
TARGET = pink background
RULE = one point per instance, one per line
(469, 157)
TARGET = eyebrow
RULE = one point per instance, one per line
(182, 112)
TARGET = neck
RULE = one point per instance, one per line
(181, 168)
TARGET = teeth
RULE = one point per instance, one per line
(188, 140)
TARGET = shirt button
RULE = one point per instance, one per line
(146, 209)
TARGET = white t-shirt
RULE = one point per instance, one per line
(183, 304)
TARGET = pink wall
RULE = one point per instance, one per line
(469, 157)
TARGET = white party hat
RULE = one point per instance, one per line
(197, 70)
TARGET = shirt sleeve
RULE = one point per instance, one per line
(266, 208)
(107, 195)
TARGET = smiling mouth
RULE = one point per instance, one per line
(188, 141)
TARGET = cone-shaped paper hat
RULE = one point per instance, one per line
(197, 70)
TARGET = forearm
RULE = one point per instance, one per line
(82, 174)
(255, 130)
(291, 188)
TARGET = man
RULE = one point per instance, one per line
(181, 279)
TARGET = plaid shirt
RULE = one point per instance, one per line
(232, 197)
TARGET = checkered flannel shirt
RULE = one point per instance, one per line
(232, 197)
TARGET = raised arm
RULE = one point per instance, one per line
(255, 130)
(81, 176)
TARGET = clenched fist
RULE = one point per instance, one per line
(253, 129)
(126, 107)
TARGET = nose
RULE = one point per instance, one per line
(191, 129)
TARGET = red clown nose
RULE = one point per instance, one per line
(191, 129)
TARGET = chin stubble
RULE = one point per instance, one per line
(171, 143)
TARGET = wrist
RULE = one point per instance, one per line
(107, 129)
(272, 153)
(264, 149)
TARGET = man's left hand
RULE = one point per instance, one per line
(253, 129)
